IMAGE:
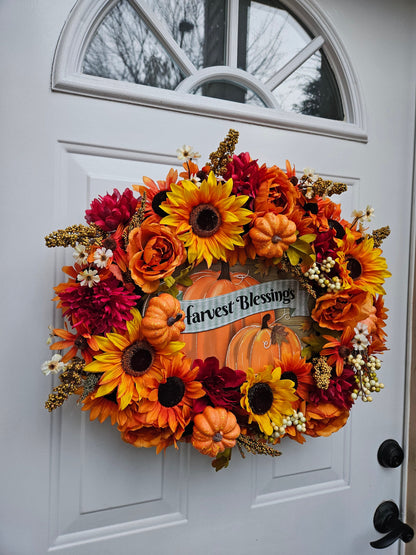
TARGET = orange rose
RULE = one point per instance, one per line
(153, 253)
(346, 308)
(324, 419)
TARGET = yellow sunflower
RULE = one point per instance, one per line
(360, 264)
(267, 398)
(127, 360)
(207, 218)
(169, 402)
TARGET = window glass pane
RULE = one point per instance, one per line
(311, 90)
(124, 48)
(198, 26)
(268, 37)
(229, 91)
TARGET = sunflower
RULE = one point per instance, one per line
(127, 360)
(79, 340)
(360, 264)
(171, 393)
(338, 350)
(156, 194)
(208, 219)
(105, 407)
(296, 369)
(267, 398)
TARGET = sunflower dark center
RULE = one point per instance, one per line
(137, 358)
(110, 243)
(339, 230)
(81, 343)
(205, 220)
(159, 197)
(290, 376)
(260, 398)
(311, 207)
(171, 392)
(344, 351)
(354, 268)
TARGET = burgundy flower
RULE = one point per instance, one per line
(109, 211)
(338, 392)
(221, 385)
(245, 175)
(100, 308)
(325, 245)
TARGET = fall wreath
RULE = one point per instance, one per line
(227, 305)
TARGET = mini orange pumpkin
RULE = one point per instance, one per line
(258, 345)
(163, 320)
(272, 234)
(211, 284)
(215, 430)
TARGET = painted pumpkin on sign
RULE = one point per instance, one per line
(208, 284)
(257, 345)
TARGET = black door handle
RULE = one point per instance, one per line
(390, 454)
(386, 519)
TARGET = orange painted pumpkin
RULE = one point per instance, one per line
(272, 234)
(163, 320)
(212, 284)
(215, 430)
(257, 345)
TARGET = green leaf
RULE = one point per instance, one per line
(293, 256)
(170, 281)
(308, 238)
(222, 460)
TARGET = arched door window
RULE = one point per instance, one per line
(278, 61)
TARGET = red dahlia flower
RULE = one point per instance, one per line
(245, 175)
(109, 211)
(100, 308)
(221, 385)
(338, 392)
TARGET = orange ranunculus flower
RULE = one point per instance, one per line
(324, 419)
(148, 436)
(154, 252)
(346, 308)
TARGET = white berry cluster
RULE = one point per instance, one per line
(296, 419)
(317, 273)
(366, 377)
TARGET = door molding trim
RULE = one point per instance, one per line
(87, 15)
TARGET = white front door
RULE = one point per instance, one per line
(73, 487)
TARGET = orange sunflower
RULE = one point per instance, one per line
(127, 360)
(295, 368)
(170, 396)
(337, 350)
(79, 340)
(360, 264)
(102, 408)
(156, 193)
(207, 218)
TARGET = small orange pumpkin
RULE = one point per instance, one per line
(163, 320)
(215, 430)
(258, 345)
(272, 234)
(212, 284)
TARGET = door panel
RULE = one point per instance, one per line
(74, 484)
